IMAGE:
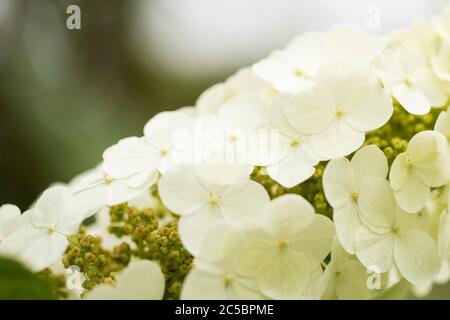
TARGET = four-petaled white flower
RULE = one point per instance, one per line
(215, 274)
(397, 239)
(285, 249)
(205, 194)
(96, 189)
(342, 181)
(424, 164)
(293, 69)
(141, 280)
(163, 145)
(294, 160)
(407, 77)
(243, 83)
(41, 236)
(345, 102)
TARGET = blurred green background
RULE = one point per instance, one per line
(66, 95)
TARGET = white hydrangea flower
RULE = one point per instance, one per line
(443, 125)
(141, 280)
(293, 69)
(215, 274)
(342, 181)
(345, 277)
(205, 194)
(41, 236)
(294, 159)
(162, 146)
(280, 68)
(425, 164)
(346, 101)
(242, 131)
(287, 247)
(241, 84)
(407, 77)
(398, 240)
(96, 189)
(9, 220)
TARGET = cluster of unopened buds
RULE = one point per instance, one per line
(320, 172)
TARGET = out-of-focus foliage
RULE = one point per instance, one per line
(17, 283)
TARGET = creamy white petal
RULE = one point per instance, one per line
(287, 216)
(443, 125)
(413, 195)
(412, 99)
(284, 275)
(377, 203)
(351, 283)
(433, 88)
(338, 182)
(310, 112)
(243, 201)
(129, 156)
(416, 256)
(182, 191)
(9, 220)
(368, 162)
(347, 223)
(375, 250)
(336, 141)
(316, 240)
(141, 280)
(398, 175)
(295, 167)
(367, 108)
(212, 283)
(193, 227)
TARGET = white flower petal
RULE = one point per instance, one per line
(295, 167)
(182, 191)
(412, 99)
(285, 275)
(377, 203)
(338, 182)
(316, 240)
(141, 280)
(413, 195)
(368, 162)
(193, 227)
(375, 251)
(212, 283)
(416, 256)
(309, 111)
(347, 224)
(287, 216)
(243, 201)
(337, 141)
(351, 283)
(9, 219)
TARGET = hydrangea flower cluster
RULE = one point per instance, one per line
(320, 172)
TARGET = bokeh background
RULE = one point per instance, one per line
(66, 95)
